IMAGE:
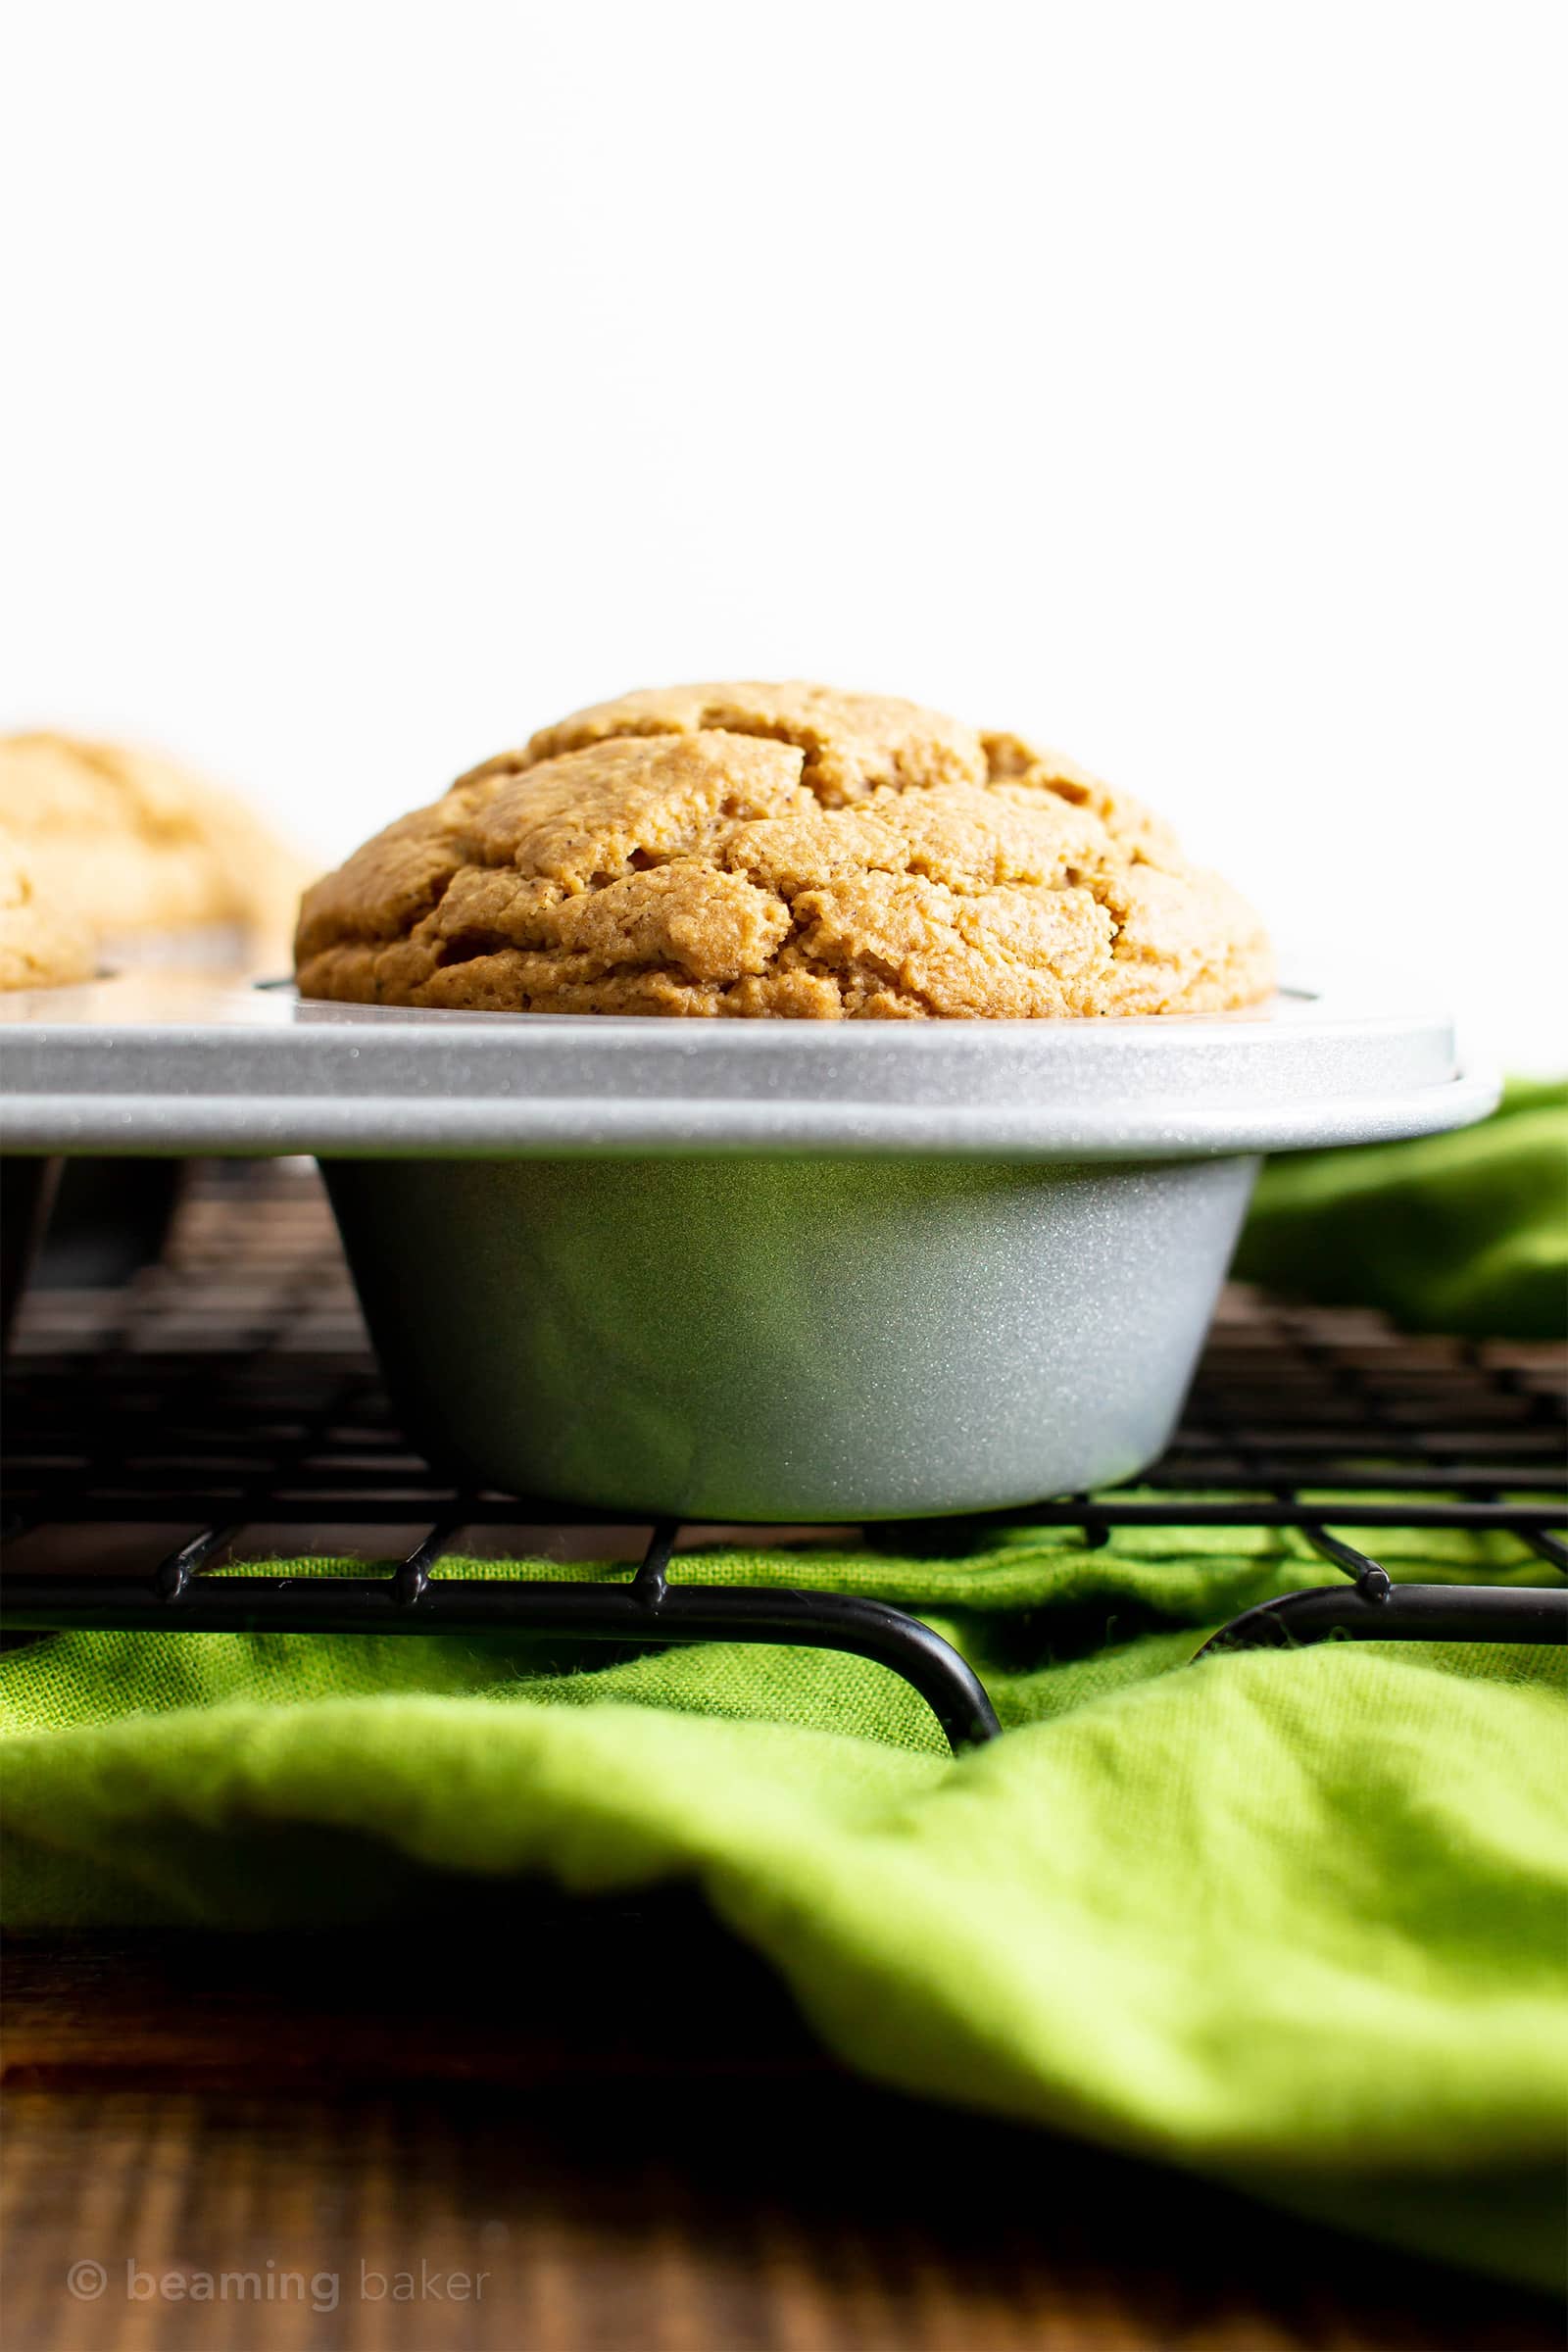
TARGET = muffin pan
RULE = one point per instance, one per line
(741, 1270)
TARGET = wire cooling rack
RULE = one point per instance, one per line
(224, 1407)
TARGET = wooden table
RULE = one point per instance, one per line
(577, 2127)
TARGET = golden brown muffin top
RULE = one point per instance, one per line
(133, 842)
(779, 851)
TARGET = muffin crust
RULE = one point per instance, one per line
(786, 851)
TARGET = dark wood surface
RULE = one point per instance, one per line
(609, 2123)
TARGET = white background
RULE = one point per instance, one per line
(1183, 385)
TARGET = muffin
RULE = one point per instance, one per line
(137, 846)
(780, 852)
(43, 943)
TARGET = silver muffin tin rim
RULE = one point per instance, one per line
(193, 1062)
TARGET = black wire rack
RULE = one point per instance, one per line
(224, 1403)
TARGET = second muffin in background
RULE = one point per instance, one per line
(780, 852)
(42, 943)
(145, 853)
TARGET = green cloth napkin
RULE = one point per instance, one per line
(1299, 1921)
(1462, 1233)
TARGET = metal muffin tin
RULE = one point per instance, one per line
(736, 1270)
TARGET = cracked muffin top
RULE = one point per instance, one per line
(780, 852)
(132, 842)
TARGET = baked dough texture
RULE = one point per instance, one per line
(42, 943)
(132, 842)
(781, 851)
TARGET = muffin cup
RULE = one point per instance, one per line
(798, 1338)
(27, 1190)
(109, 1218)
(762, 1270)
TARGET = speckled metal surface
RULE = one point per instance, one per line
(809, 1339)
(172, 1064)
(754, 1270)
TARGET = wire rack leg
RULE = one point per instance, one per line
(1403, 1613)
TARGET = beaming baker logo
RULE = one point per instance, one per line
(321, 2291)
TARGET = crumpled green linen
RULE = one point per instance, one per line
(1299, 1920)
(1463, 1233)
